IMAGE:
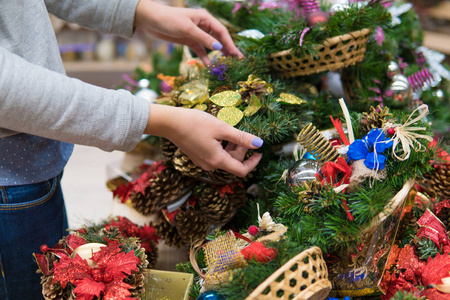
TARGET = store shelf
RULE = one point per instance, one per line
(104, 74)
(437, 41)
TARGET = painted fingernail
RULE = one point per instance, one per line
(217, 46)
(257, 142)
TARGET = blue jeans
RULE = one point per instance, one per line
(30, 216)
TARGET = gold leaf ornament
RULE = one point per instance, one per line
(290, 99)
(230, 115)
(194, 92)
(252, 107)
(227, 98)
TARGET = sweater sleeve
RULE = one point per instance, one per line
(106, 16)
(41, 102)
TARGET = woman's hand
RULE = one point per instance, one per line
(199, 135)
(195, 28)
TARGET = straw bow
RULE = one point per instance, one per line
(406, 135)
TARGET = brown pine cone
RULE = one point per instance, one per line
(168, 149)
(437, 182)
(168, 233)
(164, 188)
(183, 164)
(192, 225)
(375, 118)
(152, 256)
(137, 282)
(444, 216)
(219, 207)
(54, 291)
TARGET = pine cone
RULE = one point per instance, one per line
(214, 109)
(164, 188)
(253, 86)
(152, 256)
(192, 225)
(168, 233)
(51, 291)
(375, 118)
(137, 282)
(444, 216)
(437, 182)
(168, 149)
(183, 164)
(219, 207)
(407, 223)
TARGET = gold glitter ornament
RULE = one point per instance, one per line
(254, 86)
(252, 107)
(227, 98)
(290, 99)
(231, 115)
(201, 107)
(194, 92)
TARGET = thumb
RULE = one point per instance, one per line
(242, 138)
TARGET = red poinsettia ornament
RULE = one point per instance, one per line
(105, 277)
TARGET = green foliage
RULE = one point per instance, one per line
(245, 280)
(404, 295)
(427, 248)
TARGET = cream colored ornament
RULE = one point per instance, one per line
(86, 251)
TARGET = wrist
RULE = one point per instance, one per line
(162, 120)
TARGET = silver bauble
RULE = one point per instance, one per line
(145, 92)
(302, 170)
(393, 69)
(400, 87)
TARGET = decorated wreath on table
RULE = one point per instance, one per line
(98, 262)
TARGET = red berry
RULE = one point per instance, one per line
(391, 131)
(44, 248)
(253, 230)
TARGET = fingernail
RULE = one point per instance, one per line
(257, 142)
(217, 46)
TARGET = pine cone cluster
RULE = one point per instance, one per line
(375, 118)
(437, 182)
(168, 149)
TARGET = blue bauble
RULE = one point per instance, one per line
(211, 295)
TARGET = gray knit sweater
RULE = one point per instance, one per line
(42, 110)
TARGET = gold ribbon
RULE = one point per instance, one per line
(405, 135)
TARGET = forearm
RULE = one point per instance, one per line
(106, 16)
(37, 101)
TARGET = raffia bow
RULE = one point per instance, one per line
(406, 135)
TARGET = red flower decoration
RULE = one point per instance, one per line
(436, 269)
(259, 252)
(335, 173)
(106, 277)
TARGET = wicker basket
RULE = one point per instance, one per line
(335, 53)
(303, 277)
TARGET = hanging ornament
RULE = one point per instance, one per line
(400, 88)
(313, 14)
(211, 295)
(393, 69)
(421, 80)
(145, 92)
(303, 170)
(313, 141)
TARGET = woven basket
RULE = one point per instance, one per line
(303, 277)
(335, 53)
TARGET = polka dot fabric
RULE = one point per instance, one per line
(26, 159)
